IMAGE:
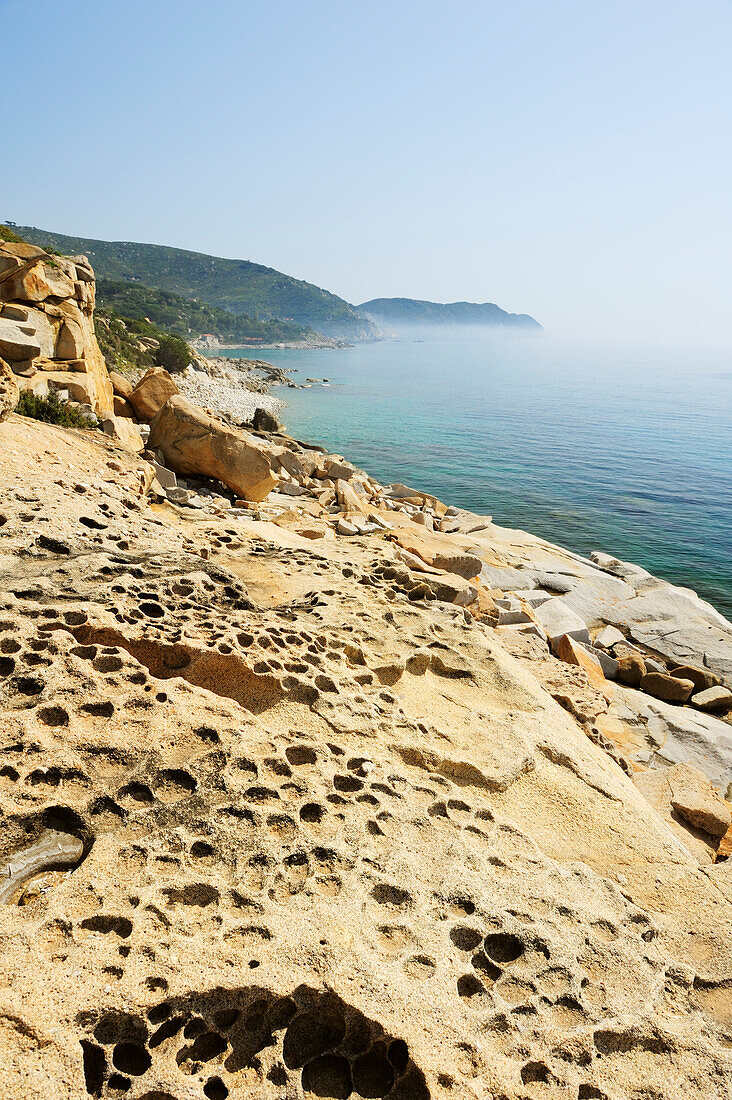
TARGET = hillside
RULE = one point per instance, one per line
(188, 317)
(408, 312)
(236, 285)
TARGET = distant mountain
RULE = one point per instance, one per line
(236, 285)
(397, 313)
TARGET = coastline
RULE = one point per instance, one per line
(706, 635)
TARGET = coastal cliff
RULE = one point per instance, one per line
(314, 786)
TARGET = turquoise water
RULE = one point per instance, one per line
(625, 450)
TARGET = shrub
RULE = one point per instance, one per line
(173, 353)
(52, 410)
(8, 234)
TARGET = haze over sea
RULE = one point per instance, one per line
(606, 447)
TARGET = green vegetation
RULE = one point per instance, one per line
(52, 410)
(126, 344)
(9, 235)
(189, 317)
(172, 353)
(235, 285)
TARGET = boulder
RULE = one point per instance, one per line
(194, 443)
(695, 799)
(701, 678)
(265, 421)
(608, 637)
(18, 340)
(713, 698)
(9, 392)
(123, 408)
(631, 668)
(669, 688)
(151, 392)
(573, 652)
(121, 385)
(125, 432)
(557, 619)
(70, 344)
(348, 499)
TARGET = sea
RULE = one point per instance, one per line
(594, 446)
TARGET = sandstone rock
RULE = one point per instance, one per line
(713, 699)
(608, 637)
(557, 619)
(701, 678)
(631, 668)
(121, 385)
(344, 527)
(151, 392)
(694, 797)
(123, 408)
(348, 499)
(194, 443)
(14, 312)
(18, 341)
(669, 688)
(265, 421)
(70, 344)
(574, 653)
(124, 431)
(9, 392)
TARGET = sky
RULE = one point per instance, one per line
(571, 159)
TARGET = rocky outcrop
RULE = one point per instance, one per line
(46, 311)
(194, 443)
(8, 390)
(151, 392)
(281, 818)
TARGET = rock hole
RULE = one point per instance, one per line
(95, 1065)
(312, 1034)
(328, 1076)
(502, 947)
(373, 1075)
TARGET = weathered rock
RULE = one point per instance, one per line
(265, 421)
(631, 668)
(348, 499)
(9, 391)
(121, 385)
(194, 443)
(701, 678)
(694, 797)
(70, 344)
(123, 408)
(608, 637)
(713, 699)
(574, 653)
(151, 392)
(557, 619)
(18, 341)
(669, 688)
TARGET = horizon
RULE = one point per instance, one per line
(567, 164)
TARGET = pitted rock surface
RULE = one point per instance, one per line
(325, 835)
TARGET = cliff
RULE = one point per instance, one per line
(47, 331)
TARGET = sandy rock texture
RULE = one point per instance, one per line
(282, 819)
(46, 321)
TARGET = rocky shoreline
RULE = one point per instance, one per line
(313, 786)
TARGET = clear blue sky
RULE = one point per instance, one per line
(567, 158)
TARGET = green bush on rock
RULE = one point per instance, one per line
(52, 410)
(173, 353)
